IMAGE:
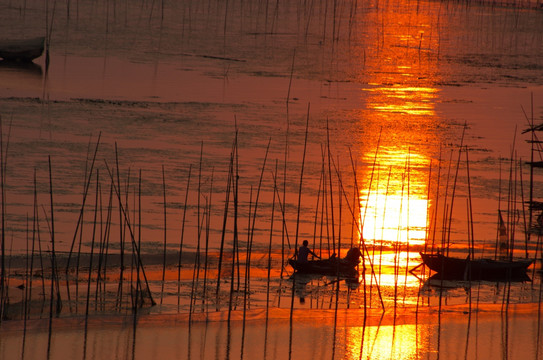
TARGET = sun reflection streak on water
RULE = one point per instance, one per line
(402, 118)
(386, 342)
(395, 211)
(406, 100)
(402, 110)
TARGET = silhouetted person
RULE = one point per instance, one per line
(304, 252)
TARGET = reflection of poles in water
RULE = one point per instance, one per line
(189, 342)
(505, 333)
(291, 323)
(439, 308)
(228, 340)
(335, 318)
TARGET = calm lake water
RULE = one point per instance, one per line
(347, 119)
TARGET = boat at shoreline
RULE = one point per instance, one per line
(452, 268)
(22, 50)
(331, 266)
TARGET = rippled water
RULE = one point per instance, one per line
(397, 82)
(388, 91)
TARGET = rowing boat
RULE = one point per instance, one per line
(331, 266)
(453, 268)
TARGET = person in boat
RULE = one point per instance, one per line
(303, 253)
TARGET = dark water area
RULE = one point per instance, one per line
(342, 123)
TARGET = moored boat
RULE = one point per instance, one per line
(453, 268)
(23, 50)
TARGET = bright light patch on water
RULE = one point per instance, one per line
(396, 219)
(385, 342)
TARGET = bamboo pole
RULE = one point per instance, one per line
(252, 227)
(54, 279)
(196, 268)
(165, 237)
(122, 225)
(454, 190)
(223, 233)
(132, 237)
(180, 258)
(139, 290)
(208, 224)
(85, 193)
(235, 239)
(89, 279)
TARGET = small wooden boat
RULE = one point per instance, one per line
(332, 266)
(452, 268)
(24, 50)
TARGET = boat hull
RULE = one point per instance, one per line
(22, 50)
(480, 269)
(325, 267)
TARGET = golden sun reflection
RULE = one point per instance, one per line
(386, 342)
(396, 208)
(400, 122)
(405, 220)
(405, 100)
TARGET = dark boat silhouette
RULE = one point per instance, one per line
(453, 268)
(23, 50)
(331, 266)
